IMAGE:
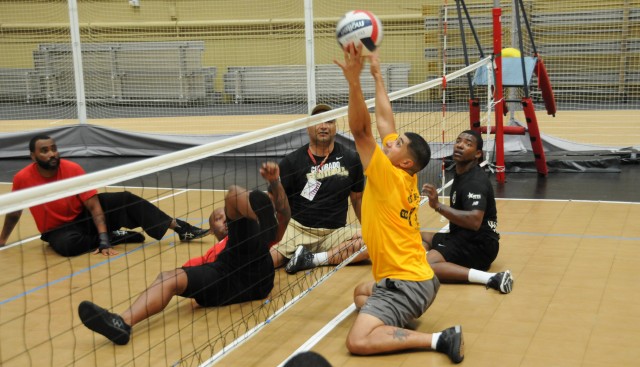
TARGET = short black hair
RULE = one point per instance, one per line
(419, 149)
(32, 142)
(477, 135)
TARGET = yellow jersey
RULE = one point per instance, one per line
(390, 226)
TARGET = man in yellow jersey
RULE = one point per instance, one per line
(405, 285)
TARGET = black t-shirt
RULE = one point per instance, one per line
(340, 175)
(470, 191)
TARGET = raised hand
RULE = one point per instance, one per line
(270, 171)
(431, 192)
(374, 63)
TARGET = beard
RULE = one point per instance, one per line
(50, 165)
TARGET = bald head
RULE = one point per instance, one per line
(218, 223)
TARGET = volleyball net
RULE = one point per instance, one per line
(40, 290)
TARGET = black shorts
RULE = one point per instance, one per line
(209, 284)
(243, 271)
(214, 284)
(476, 253)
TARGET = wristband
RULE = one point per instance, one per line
(439, 208)
(104, 241)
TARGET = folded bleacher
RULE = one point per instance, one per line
(283, 83)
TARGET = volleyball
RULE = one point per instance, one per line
(359, 26)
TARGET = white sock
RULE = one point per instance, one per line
(434, 340)
(320, 258)
(477, 276)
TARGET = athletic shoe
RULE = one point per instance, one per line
(451, 343)
(502, 282)
(104, 322)
(187, 232)
(302, 260)
(119, 236)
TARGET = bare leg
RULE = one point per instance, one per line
(155, 298)
(369, 335)
(338, 254)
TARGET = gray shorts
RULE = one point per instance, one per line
(398, 302)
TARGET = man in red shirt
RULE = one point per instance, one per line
(87, 221)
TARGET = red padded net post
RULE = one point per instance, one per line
(534, 135)
(544, 84)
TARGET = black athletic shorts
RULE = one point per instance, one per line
(244, 269)
(476, 253)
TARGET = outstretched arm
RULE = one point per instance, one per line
(10, 222)
(385, 121)
(359, 118)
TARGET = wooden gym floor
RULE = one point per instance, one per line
(574, 303)
(573, 247)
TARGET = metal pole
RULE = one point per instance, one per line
(311, 65)
(74, 28)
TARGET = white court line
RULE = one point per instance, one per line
(311, 342)
(347, 311)
(19, 243)
(246, 336)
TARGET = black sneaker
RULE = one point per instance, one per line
(302, 259)
(187, 232)
(502, 282)
(104, 322)
(451, 343)
(120, 236)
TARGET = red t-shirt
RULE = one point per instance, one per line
(210, 256)
(55, 213)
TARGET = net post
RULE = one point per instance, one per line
(78, 71)
(498, 93)
(310, 55)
